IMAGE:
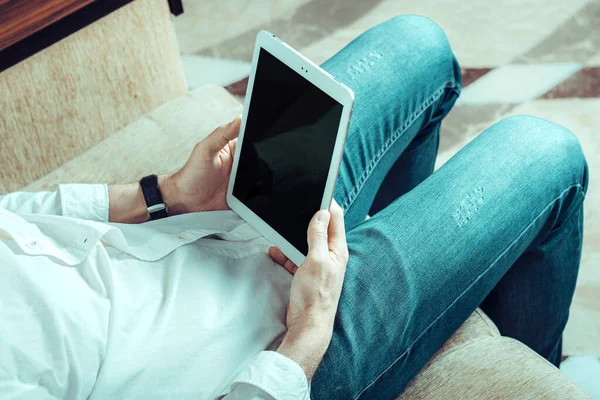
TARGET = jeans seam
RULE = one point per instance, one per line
(566, 218)
(578, 185)
(560, 338)
(389, 143)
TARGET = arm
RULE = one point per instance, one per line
(118, 203)
(314, 297)
(270, 376)
(201, 185)
(316, 290)
(127, 205)
(76, 200)
(32, 203)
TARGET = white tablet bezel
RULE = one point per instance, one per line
(328, 84)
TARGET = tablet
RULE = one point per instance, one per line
(290, 145)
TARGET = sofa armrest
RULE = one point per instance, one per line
(477, 363)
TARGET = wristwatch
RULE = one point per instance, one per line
(155, 206)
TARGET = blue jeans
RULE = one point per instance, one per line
(498, 226)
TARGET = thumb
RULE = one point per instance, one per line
(221, 136)
(317, 233)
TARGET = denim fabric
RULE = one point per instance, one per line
(499, 225)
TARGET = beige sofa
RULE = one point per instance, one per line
(64, 121)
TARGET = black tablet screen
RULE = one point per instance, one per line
(289, 139)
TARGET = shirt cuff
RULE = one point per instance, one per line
(84, 201)
(276, 375)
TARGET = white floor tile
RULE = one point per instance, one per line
(584, 371)
(206, 23)
(517, 83)
(201, 70)
(594, 61)
(482, 33)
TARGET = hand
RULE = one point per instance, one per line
(316, 289)
(201, 185)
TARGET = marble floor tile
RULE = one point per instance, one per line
(482, 34)
(594, 61)
(470, 75)
(584, 371)
(584, 84)
(321, 50)
(463, 123)
(238, 88)
(308, 23)
(206, 23)
(516, 83)
(200, 70)
(576, 40)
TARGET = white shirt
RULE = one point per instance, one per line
(179, 308)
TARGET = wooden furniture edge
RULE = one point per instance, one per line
(64, 27)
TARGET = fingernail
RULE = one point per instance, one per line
(323, 216)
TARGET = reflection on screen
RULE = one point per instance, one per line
(290, 133)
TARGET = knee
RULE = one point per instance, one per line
(427, 41)
(419, 29)
(546, 148)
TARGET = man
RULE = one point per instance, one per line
(191, 306)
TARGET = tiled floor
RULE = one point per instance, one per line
(548, 49)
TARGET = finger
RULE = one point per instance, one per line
(291, 267)
(232, 145)
(280, 258)
(317, 233)
(337, 231)
(277, 256)
(232, 129)
(221, 136)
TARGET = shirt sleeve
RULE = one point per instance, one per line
(74, 200)
(17, 390)
(270, 376)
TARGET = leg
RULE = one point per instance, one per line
(555, 257)
(414, 165)
(405, 80)
(418, 269)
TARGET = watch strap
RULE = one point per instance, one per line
(155, 205)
